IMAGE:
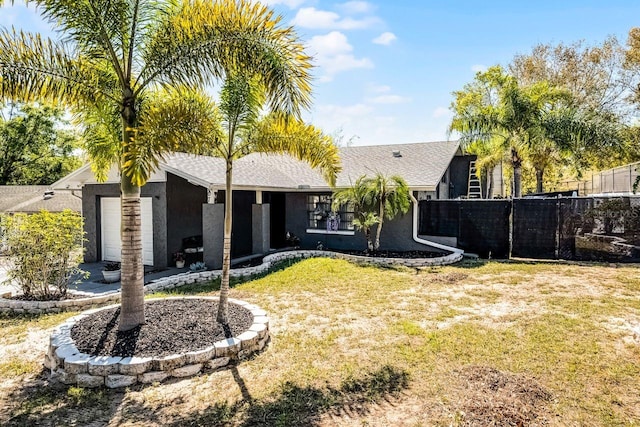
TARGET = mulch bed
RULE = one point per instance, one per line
(172, 326)
(393, 254)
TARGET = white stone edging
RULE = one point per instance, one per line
(8, 306)
(69, 366)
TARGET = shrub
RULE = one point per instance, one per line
(45, 250)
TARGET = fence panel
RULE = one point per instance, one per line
(481, 226)
(535, 226)
(572, 228)
(484, 227)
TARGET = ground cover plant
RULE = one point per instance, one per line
(479, 343)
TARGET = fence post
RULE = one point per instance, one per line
(557, 249)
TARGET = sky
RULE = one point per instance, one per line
(385, 70)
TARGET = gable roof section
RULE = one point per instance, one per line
(420, 164)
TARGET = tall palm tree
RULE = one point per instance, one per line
(113, 52)
(244, 132)
(510, 114)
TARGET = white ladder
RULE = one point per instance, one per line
(474, 190)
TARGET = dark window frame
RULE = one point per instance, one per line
(319, 209)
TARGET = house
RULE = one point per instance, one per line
(34, 198)
(274, 196)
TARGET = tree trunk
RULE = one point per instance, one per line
(367, 233)
(222, 317)
(490, 183)
(132, 267)
(539, 180)
(517, 173)
(376, 245)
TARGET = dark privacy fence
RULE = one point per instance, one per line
(572, 228)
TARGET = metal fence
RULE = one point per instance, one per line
(617, 180)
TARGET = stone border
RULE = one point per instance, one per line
(171, 282)
(69, 366)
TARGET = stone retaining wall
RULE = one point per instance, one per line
(171, 282)
(69, 366)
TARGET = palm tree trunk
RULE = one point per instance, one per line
(132, 267)
(376, 246)
(222, 317)
(539, 180)
(490, 183)
(517, 173)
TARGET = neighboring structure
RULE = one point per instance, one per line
(278, 202)
(34, 198)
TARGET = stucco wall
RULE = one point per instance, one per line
(91, 194)
(396, 234)
(184, 212)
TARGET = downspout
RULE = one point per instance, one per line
(456, 254)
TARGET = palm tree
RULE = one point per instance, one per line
(359, 198)
(392, 196)
(374, 199)
(509, 116)
(241, 99)
(114, 52)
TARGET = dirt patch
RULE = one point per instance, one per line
(172, 326)
(495, 398)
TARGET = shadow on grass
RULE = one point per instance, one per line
(292, 405)
(39, 402)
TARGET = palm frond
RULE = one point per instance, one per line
(33, 68)
(204, 42)
(279, 133)
(181, 119)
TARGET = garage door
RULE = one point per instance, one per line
(110, 229)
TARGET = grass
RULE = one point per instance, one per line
(354, 345)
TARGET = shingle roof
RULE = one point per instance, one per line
(30, 198)
(421, 165)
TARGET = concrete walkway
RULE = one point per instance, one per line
(94, 284)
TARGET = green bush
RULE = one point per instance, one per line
(44, 250)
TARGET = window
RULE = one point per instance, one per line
(320, 216)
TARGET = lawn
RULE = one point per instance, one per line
(479, 343)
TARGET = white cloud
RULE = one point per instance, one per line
(380, 89)
(310, 17)
(355, 7)
(292, 4)
(479, 68)
(390, 99)
(441, 112)
(333, 54)
(385, 39)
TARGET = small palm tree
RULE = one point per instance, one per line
(244, 132)
(374, 199)
(392, 196)
(365, 223)
(358, 198)
(114, 53)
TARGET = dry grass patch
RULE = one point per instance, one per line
(481, 343)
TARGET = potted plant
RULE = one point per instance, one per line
(178, 258)
(111, 272)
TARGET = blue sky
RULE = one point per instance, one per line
(385, 70)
